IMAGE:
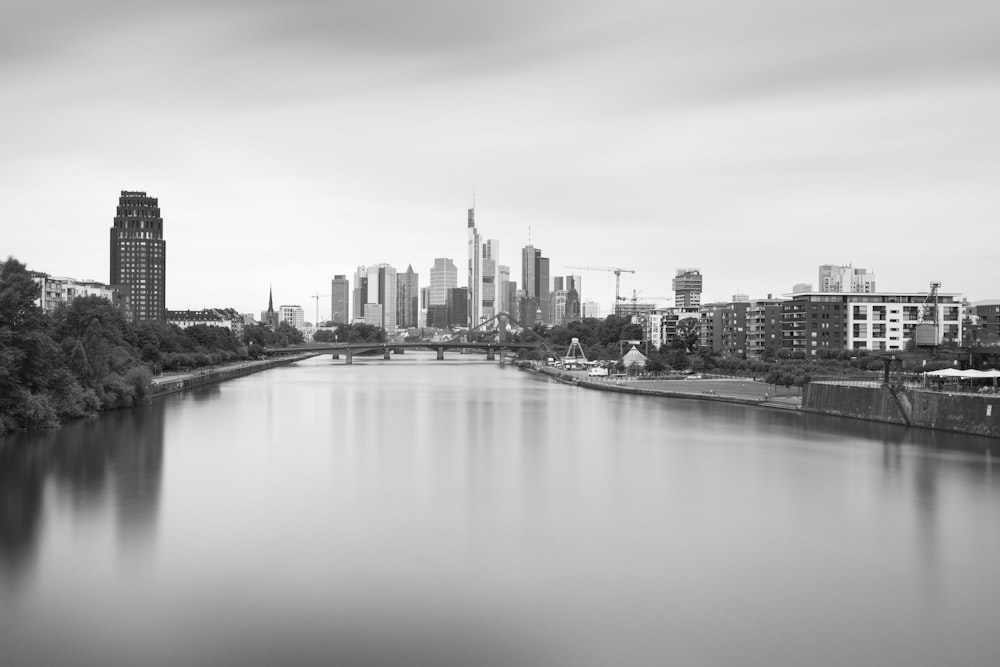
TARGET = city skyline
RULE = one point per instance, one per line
(289, 144)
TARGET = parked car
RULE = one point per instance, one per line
(696, 376)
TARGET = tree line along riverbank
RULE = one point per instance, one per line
(84, 357)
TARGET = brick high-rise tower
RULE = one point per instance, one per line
(139, 255)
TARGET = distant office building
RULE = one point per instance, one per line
(557, 304)
(294, 315)
(530, 312)
(574, 311)
(381, 288)
(139, 255)
(458, 307)
(425, 300)
(475, 277)
(340, 290)
(513, 299)
(444, 276)
(687, 286)
(740, 298)
(490, 269)
(798, 288)
(591, 309)
(844, 278)
(408, 299)
(535, 279)
(503, 289)
(360, 294)
(437, 316)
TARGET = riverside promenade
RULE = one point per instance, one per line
(168, 383)
(727, 390)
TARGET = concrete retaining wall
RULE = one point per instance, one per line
(170, 386)
(977, 414)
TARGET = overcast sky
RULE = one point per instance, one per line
(290, 141)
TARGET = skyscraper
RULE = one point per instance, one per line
(444, 276)
(340, 289)
(360, 294)
(475, 271)
(535, 280)
(408, 299)
(381, 289)
(503, 289)
(489, 296)
(139, 255)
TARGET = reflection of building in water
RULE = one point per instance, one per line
(118, 456)
(138, 470)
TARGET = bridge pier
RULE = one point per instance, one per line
(440, 352)
(350, 357)
(489, 354)
(503, 357)
(385, 353)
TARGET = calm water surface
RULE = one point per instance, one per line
(416, 512)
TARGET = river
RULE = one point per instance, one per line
(456, 513)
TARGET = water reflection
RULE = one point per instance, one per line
(117, 457)
(419, 512)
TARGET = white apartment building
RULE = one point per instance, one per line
(294, 315)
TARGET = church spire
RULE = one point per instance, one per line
(271, 321)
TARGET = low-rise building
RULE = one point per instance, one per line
(55, 292)
(227, 318)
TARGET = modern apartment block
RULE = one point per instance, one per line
(763, 326)
(139, 255)
(734, 329)
(984, 324)
(880, 321)
(340, 290)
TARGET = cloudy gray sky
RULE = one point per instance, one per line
(289, 141)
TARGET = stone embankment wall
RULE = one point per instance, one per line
(169, 386)
(977, 414)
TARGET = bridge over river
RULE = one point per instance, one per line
(492, 336)
(350, 349)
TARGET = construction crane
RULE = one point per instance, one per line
(636, 295)
(617, 270)
(319, 296)
(926, 332)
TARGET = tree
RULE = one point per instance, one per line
(687, 333)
